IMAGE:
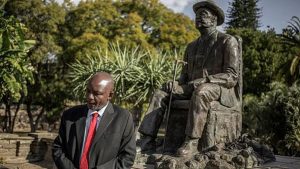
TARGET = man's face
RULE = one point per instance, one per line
(205, 18)
(98, 93)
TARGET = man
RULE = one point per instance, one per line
(98, 135)
(211, 74)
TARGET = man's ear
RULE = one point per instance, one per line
(111, 94)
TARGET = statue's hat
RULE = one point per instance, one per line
(212, 6)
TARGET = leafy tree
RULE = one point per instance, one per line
(165, 29)
(244, 14)
(145, 23)
(16, 70)
(86, 27)
(43, 19)
(263, 55)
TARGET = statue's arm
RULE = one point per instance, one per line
(229, 77)
(183, 78)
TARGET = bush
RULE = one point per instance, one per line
(274, 117)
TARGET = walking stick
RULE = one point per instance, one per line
(171, 95)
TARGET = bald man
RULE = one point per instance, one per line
(97, 135)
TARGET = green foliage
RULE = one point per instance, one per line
(275, 117)
(66, 33)
(262, 57)
(137, 73)
(15, 68)
(291, 38)
(244, 14)
(145, 23)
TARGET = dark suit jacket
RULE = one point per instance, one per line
(113, 146)
(219, 55)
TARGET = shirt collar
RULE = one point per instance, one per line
(100, 112)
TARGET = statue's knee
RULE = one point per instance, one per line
(159, 93)
(203, 87)
(201, 93)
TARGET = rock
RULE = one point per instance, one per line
(168, 164)
(239, 161)
(153, 158)
(218, 147)
(218, 164)
(245, 153)
(212, 155)
(249, 163)
(227, 157)
(237, 154)
(201, 157)
(192, 164)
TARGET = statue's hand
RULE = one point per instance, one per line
(195, 83)
(167, 87)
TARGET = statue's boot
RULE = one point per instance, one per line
(189, 146)
(148, 144)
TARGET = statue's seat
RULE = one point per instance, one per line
(223, 125)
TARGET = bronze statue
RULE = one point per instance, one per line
(211, 74)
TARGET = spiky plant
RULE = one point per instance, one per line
(136, 73)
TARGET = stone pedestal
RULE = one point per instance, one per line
(223, 125)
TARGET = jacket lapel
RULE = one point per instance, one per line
(105, 121)
(80, 126)
(211, 45)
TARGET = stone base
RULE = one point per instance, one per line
(241, 154)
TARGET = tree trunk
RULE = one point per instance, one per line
(37, 120)
(16, 113)
(7, 118)
(34, 122)
(29, 113)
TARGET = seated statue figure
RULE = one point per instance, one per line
(211, 74)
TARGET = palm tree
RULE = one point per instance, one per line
(291, 37)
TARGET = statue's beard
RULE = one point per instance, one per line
(201, 25)
(206, 23)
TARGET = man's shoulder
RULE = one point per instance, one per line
(75, 111)
(121, 111)
(224, 37)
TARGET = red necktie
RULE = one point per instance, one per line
(84, 164)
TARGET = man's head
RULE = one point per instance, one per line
(99, 90)
(208, 14)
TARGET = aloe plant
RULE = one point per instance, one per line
(137, 73)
